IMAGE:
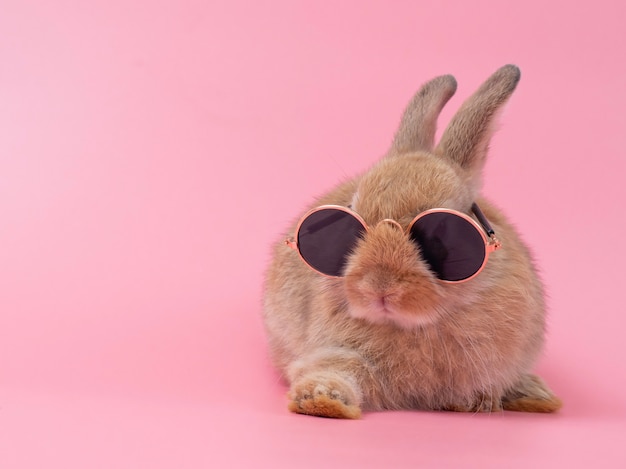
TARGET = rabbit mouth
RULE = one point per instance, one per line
(383, 303)
(386, 310)
(410, 299)
(383, 306)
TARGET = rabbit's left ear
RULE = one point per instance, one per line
(466, 139)
(419, 122)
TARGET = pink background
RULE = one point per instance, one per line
(151, 151)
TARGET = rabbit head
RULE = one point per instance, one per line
(386, 280)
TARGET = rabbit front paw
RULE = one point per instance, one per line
(325, 395)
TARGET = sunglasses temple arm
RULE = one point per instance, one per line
(495, 243)
(482, 219)
(290, 242)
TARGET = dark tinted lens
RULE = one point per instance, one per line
(450, 244)
(326, 238)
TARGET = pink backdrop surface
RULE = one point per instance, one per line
(150, 153)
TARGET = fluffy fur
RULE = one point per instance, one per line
(389, 334)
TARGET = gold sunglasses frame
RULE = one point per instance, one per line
(482, 226)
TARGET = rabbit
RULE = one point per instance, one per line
(388, 333)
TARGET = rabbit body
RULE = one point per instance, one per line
(389, 334)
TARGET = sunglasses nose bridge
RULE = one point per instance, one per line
(391, 222)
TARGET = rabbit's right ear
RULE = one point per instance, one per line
(466, 139)
(419, 121)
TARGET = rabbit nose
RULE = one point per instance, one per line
(392, 223)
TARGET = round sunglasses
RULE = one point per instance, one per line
(454, 245)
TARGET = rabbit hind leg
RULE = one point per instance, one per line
(531, 394)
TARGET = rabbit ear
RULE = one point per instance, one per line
(466, 138)
(419, 122)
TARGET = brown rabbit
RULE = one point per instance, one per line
(382, 324)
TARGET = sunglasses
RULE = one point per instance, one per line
(454, 245)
